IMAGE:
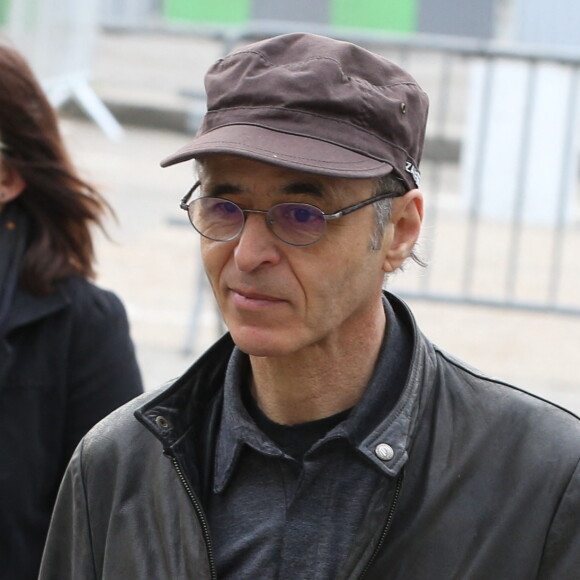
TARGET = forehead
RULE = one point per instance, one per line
(253, 177)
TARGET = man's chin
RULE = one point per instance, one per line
(263, 343)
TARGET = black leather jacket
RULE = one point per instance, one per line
(485, 483)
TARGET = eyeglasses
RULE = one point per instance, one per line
(297, 224)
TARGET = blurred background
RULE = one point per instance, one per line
(500, 168)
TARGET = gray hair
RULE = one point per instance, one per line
(389, 183)
(385, 184)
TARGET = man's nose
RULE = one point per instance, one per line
(257, 245)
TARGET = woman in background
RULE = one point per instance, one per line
(66, 358)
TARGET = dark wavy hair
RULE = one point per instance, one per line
(61, 207)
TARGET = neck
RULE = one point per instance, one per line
(319, 381)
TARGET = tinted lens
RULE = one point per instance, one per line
(299, 224)
(215, 218)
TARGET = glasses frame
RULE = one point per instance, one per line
(185, 203)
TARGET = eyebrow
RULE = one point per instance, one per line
(223, 189)
(303, 187)
(294, 188)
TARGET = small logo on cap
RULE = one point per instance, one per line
(416, 174)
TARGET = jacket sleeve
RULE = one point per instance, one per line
(102, 373)
(561, 557)
(68, 552)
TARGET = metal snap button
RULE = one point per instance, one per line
(403, 108)
(161, 422)
(384, 452)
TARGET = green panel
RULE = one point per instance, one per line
(207, 11)
(392, 15)
(3, 11)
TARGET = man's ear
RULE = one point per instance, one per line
(403, 229)
(11, 183)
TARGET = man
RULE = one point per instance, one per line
(324, 437)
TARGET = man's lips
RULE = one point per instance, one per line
(249, 298)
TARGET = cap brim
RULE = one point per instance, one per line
(284, 149)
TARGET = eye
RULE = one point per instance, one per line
(299, 224)
(221, 208)
(298, 214)
(302, 214)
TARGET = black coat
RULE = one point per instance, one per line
(485, 483)
(66, 361)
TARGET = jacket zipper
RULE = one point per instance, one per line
(200, 515)
(388, 523)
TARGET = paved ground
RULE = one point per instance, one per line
(152, 263)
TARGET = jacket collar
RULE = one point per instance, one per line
(171, 413)
(27, 308)
(387, 446)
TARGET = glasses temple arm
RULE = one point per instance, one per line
(351, 208)
(183, 203)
